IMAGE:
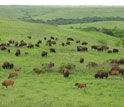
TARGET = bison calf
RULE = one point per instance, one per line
(6, 83)
(80, 85)
(13, 74)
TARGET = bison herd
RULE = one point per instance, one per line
(116, 70)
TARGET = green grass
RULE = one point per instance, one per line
(51, 89)
(105, 24)
(53, 12)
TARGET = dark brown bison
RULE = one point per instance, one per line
(26, 53)
(3, 48)
(7, 83)
(70, 39)
(94, 47)
(80, 85)
(37, 45)
(66, 72)
(63, 44)
(44, 53)
(67, 43)
(16, 44)
(22, 43)
(115, 50)
(10, 41)
(13, 74)
(78, 41)
(30, 45)
(92, 64)
(101, 74)
(29, 37)
(99, 49)
(8, 50)
(37, 70)
(51, 37)
(81, 60)
(52, 50)
(40, 41)
(80, 48)
(18, 52)
(121, 61)
(109, 51)
(45, 38)
(84, 43)
(7, 65)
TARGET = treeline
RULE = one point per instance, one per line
(62, 21)
(113, 32)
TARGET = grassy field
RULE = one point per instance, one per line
(53, 12)
(105, 24)
(51, 89)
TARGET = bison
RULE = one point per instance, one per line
(44, 53)
(7, 83)
(18, 69)
(101, 74)
(92, 64)
(81, 60)
(13, 74)
(115, 50)
(52, 50)
(17, 52)
(80, 85)
(37, 70)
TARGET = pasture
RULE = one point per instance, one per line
(50, 88)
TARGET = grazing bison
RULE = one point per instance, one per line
(115, 50)
(37, 45)
(8, 50)
(52, 50)
(121, 70)
(84, 43)
(50, 65)
(51, 37)
(7, 83)
(94, 47)
(7, 65)
(81, 60)
(109, 51)
(101, 74)
(22, 43)
(80, 85)
(70, 39)
(45, 38)
(18, 69)
(30, 45)
(3, 48)
(65, 72)
(67, 43)
(37, 70)
(17, 52)
(92, 64)
(16, 44)
(121, 61)
(10, 41)
(13, 74)
(114, 72)
(44, 53)
(78, 41)
(29, 37)
(80, 48)
(26, 53)
(63, 44)
(39, 42)
(99, 49)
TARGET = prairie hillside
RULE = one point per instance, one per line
(47, 86)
